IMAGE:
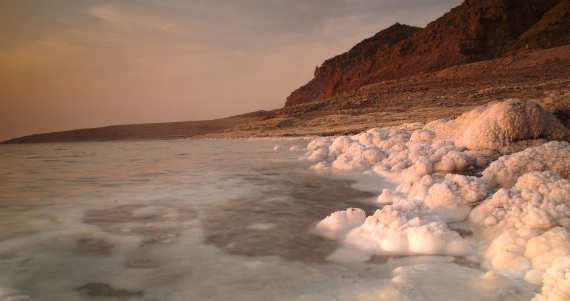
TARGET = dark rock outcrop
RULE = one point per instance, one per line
(348, 70)
(477, 30)
(552, 30)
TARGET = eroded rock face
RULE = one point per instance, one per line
(350, 69)
(552, 30)
(474, 31)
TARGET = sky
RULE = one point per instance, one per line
(70, 64)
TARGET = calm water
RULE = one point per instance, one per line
(173, 220)
(199, 220)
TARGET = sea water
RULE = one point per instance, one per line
(195, 220)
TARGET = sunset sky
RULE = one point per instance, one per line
(69, 64)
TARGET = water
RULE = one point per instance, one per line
(193, 220)
(163, 220)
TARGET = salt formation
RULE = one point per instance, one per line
(540, 200)
(415, 188)
(506, 127)
(407, 227)
(528, 225)
(556, 281)
(321, 166)
(341, 222)
(554, 156)
(453, 199)
(521, 232)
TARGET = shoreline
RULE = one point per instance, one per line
(542, 76)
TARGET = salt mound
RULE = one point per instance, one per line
(415, 187)
(556, 281)
(452, 199)
(527, 225)
(340, 222)
(407, 227)
(505, 127)
(553, 156)
(539, 200)
(321, 166)
(321, 142)
(351, 162)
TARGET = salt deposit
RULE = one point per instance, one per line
(406, 228)
(539, 200)
(553, 156)
(506, 127)
(521, 231)
(453, 199)
(556, 281)
(341, 222)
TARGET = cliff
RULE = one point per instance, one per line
(477, 30)
(552, 30)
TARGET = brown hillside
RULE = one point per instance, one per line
(352, 67)
(475, 31)
(552, 30)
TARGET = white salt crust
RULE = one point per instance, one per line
(506, 127)
(520, 232)
(556, 281)
(553, 156)
(405, 228)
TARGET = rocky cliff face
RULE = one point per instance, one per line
(346, 71)
(475, 31)
(552, 30)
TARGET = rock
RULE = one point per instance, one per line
(475, 31)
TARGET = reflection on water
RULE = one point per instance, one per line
(179, 220)
(279, 223)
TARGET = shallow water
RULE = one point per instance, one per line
(190, 220)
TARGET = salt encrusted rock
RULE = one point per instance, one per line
(553, 156)
(317, 155)
(321, 166)
(321, 142)
(556, 281)
(525, 228)
(407, 227)
(452, 199)
(422, 136)
(341, 222)
(341, 144)
(455, 160)
(539, 200)
(526, 253)
(505, 127)
(415, 188)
